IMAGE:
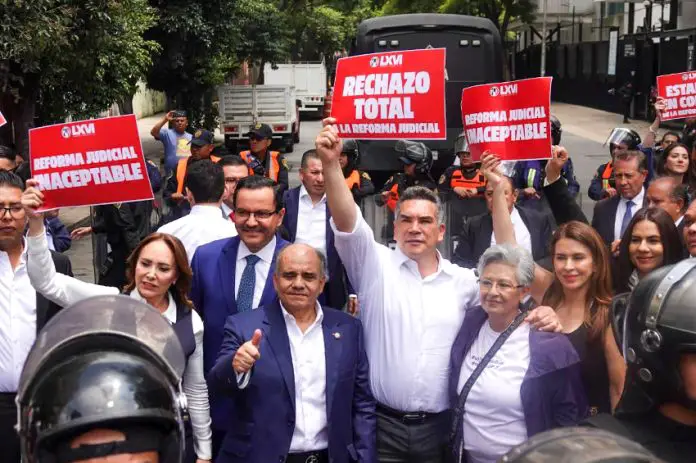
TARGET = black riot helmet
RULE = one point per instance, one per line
(622, 135)
(579, 445)
(461, 145)
(659, 326)
(417, 153)
(107, 362)
(556, 130)
(350, 149)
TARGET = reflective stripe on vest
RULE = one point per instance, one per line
(458, 180)
(606, 175)
(353, 179)
(531, 173)
(393, 197)
(275, 165)
(181, 167)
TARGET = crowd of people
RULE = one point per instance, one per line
(306, 340)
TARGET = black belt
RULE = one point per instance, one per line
(408, 417)
(316, 456)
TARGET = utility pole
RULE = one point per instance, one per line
(543, 39)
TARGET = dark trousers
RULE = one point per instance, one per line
(400, 441)
(9, 443)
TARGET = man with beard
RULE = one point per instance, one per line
(235, 275)
(359, 183)
(307, 221)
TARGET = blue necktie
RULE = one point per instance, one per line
(245, 296)
(626, 218)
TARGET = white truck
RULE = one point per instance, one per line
(242, 106)
(309, 80)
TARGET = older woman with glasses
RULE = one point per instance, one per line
(509, 382)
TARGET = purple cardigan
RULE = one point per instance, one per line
(552, 391)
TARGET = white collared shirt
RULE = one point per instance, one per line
(201, 226)
(679, 221)
(226, 211)
(522, 235)
(410, 321)
(311, 221)
(17, 320)
(621, 210)
(262, 268)
(309, 369)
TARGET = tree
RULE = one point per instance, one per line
(500, 12)
(64, 57)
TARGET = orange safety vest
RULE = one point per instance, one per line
(393, 197)
(181, 167)
(353, 179)
(458, 180)
(275, 165)
(606, 175)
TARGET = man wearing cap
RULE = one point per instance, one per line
(175, 139)
(263, 162)
(417, 160)
(201, 146)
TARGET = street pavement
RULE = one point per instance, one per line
(584, 133)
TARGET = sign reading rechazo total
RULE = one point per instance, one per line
(89, 162)
(510, 119)
(679, 93)
(391, 95)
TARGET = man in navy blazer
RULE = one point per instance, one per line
(298, 374)
(219, 270)
(305, 205)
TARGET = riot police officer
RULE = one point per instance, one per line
(417, 160)
(359, 183)
(658, 405)
(103, 382)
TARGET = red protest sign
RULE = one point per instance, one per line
(679, 92)
(391, 96)
(511, 119)
(88, 163)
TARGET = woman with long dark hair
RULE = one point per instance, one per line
(675, 162)
(651, 240)
(159, 274)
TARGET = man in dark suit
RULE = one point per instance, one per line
(532, 229)
(307, 221)
(298, 373)
(612, 215)
(23, 312)
(236, 275)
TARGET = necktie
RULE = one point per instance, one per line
(245, 296)
(627, 217)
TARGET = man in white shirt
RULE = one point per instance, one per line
(234, 169)
(205, 185)
(307, 221)
(298, 371)
(413, 303)
(235, 275)
(612, 215)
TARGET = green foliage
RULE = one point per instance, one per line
(500, 12)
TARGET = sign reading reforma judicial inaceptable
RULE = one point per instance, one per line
(89, 162)
(679, 93)
(391, 96)
(511, 119)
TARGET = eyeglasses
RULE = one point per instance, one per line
(258, 215)
(15, 211)
(503, 286)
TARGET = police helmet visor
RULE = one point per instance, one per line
(412, 151)
(622, 135)
(461, 145)
(106, 323)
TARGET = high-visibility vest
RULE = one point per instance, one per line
(181, 167)
(353, 179)
(606, 175)
(458, 180)
(273, 172)
(393, 197)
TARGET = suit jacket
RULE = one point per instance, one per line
(264, 420)
(212, 293)
(604, 217)
(562, 203)
(45, 309)
(337, 288)
(477, 232)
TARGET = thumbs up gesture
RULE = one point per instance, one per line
(247, 354)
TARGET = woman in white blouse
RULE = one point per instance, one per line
(159, 274)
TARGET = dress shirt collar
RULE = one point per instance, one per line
(679, 221)
(305, 194)
(169, 314)
(637, 200)
(266, 253)
(205, 211)
(226, 210)
(289, 318)
(443, 265)
(515, 216)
